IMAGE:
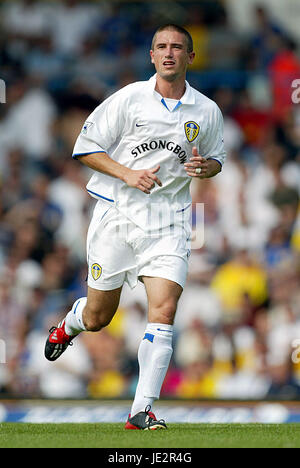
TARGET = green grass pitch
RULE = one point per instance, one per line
(21, 435)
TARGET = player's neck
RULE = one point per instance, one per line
(170, 89)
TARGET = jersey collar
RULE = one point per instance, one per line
(187, 98)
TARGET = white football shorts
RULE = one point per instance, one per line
(118, 251)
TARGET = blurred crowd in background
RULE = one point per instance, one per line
(238, 320)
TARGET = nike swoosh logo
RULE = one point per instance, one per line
(140, 125)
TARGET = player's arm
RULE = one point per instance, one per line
(144, 179)
(201, 167)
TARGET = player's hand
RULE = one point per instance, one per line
(143, 180)
(201, 167)
(196, 162)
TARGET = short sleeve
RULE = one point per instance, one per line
(102, 128)
(212, 144)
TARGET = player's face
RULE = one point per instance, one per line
(170, 56)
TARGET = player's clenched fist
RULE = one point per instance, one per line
(144, 179)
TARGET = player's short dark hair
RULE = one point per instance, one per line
(180, 29)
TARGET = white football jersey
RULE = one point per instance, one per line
(136, 128)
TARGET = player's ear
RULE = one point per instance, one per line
(151, 55)
(191, 57)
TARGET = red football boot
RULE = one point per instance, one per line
(57, 342)
(145, 421)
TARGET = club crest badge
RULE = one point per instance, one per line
(96, 271)
(86, 126)
(191, 130)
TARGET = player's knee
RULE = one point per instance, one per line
(163, 313)
(95, 324)
(95, 320)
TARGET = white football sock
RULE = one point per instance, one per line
(154, 357)
(73, 321)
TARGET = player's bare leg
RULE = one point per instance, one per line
(100, 308)
(90, 313)
(163, 296)
(155, 351)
